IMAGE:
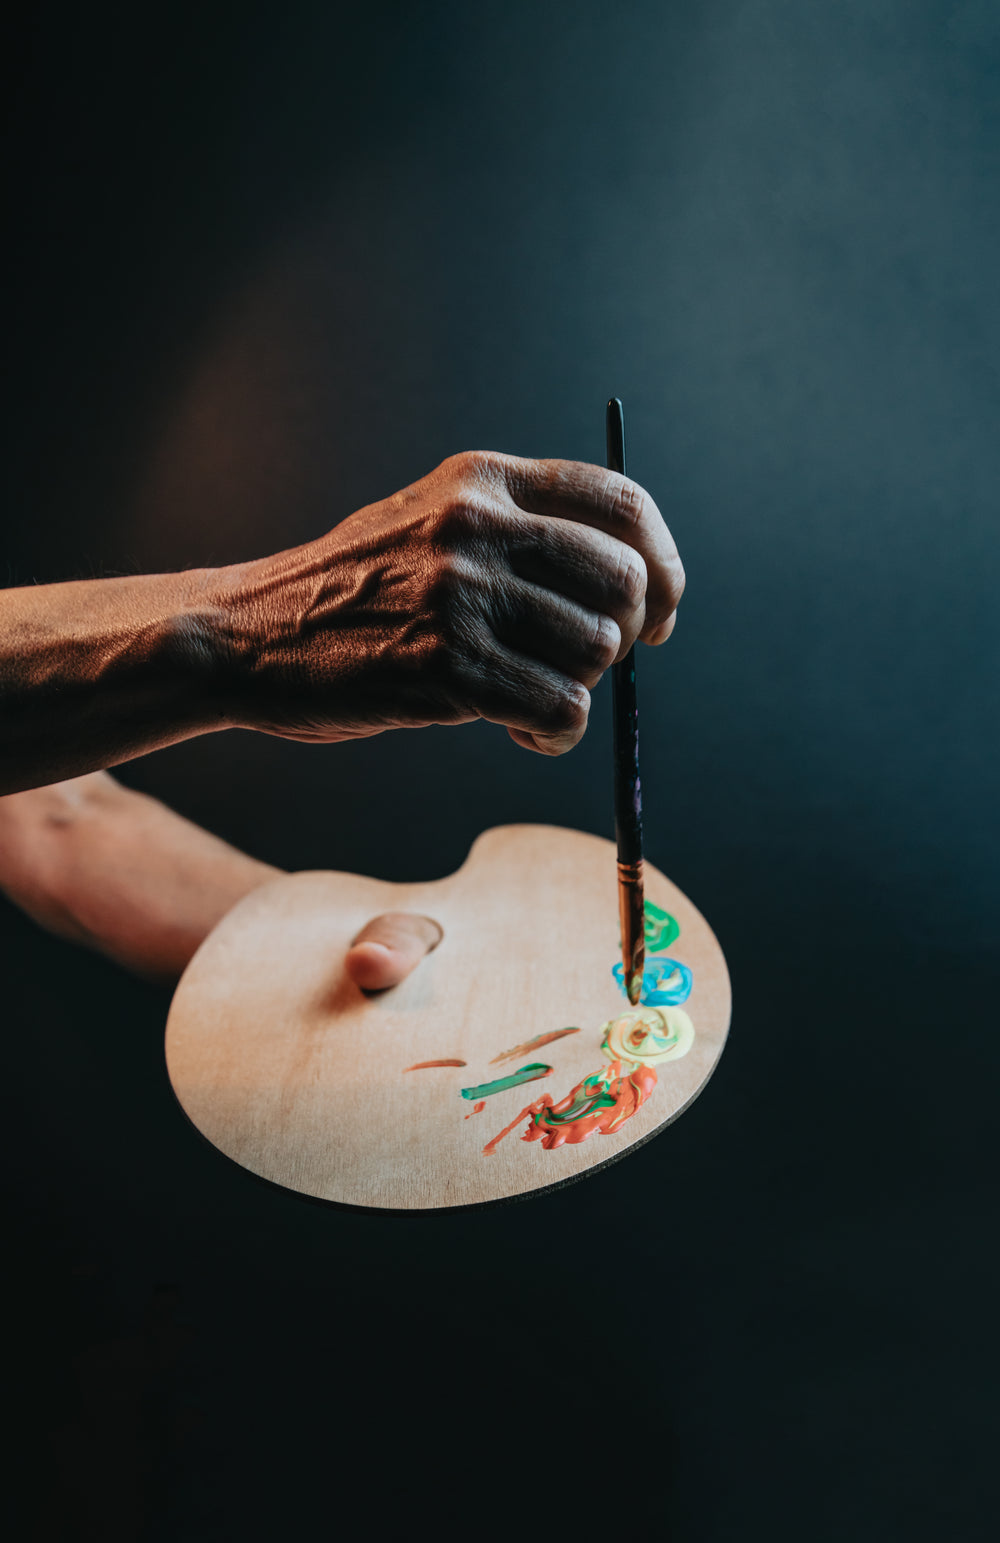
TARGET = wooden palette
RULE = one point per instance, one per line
(292, 1071)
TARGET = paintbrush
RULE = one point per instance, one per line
(628, 789)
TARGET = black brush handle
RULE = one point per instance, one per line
(628, 789)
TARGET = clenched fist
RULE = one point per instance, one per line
(495, 588)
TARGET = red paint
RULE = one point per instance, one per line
(419, 1065)
(476, 1109)
(629, 1091)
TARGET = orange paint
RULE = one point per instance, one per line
(476, 1109)
(419, 1065)
(600, 1103)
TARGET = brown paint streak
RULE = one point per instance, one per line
(532, 1044)
(420, 1065)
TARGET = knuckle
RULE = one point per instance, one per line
(440, 581)
(628, 504)
(477, 465)
(606, 642)
(445, 583)
(632, 578)
(440, 608)
(662, 605)
(457, 518)
(568, 711)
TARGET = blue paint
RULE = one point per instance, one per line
(659, 989)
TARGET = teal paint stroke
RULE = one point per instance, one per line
(512, 1080)
(665, 982)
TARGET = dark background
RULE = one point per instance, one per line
(267, 264)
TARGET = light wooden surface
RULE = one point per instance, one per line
(292, 1071)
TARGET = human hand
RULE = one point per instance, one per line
(99, 864)
(495, 587)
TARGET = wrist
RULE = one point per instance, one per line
(213, 643)
(276, 626)
(223, 637)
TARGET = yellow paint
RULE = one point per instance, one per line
(648, 1035)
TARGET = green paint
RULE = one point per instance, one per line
(592, 1094)
(660, 928)
(513, 1080)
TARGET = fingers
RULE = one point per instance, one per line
(662, 633)
(542, 744)
(574, 639)
(389, 947)
(600, 574)
(605, 501)
(542, 708)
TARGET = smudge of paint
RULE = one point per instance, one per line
(512, 1080)
(665, 982)
(634, 1043)
(531, 1044)
(476, 1109)
(600, 1104)
(648, 1036)
(419, 1066)
(659, 927)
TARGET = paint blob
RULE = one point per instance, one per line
(660, 928)
(601, 1103)
(665, 982)
(532, 1044)
(648, 1035)
(512, 1080)
(634, 1043)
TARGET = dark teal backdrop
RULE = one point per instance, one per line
(268, 264)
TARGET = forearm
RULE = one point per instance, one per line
(101, 865)
(93, 673)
